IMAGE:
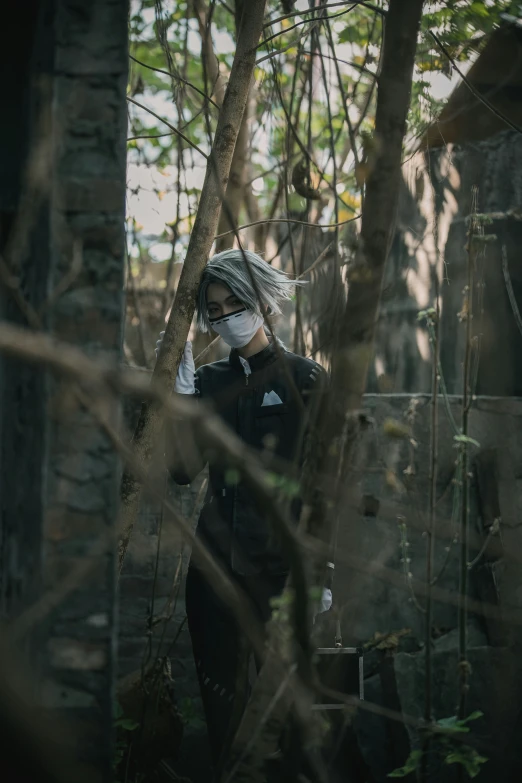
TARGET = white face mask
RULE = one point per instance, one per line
(237, 329)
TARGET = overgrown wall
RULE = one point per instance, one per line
(60, 474)
(429, 251)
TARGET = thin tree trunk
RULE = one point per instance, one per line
(215, 82)
(235, 194)
(355, 337)
(257, 233)
(202, 237)
(357, 330)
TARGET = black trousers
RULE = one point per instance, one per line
(219, 647)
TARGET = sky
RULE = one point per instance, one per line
(151, 196)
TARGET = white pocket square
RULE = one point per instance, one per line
(271, 398)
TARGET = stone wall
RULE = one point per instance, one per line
(152, 584)
(63, 238)
(428, 254)
(380, 579)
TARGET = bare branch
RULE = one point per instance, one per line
(313, 22)
(291, 220)
(324, 7)
(165, 122)
(471, 87)
(177, 77)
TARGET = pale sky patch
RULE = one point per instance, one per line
(153, 205)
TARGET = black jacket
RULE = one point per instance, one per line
(230, 523)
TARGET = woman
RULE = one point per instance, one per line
(264, 394)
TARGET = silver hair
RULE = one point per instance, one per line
(229, 268)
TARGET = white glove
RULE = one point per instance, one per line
(324, 604)
(185, 377)
(326, 601)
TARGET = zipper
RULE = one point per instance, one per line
(243, 409)
(233, 542)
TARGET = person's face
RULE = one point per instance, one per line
(221, 301)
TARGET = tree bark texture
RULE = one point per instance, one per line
(88, 200)
(215, 83)
(236, 188)
(201, 240)
(77, 123)
(22, 388)
(235, 193)
(354, 350)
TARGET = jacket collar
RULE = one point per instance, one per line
(259, 360)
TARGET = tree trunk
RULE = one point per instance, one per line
(354, 348)
(82, 476)
(235, 194)
(27, 101)
(356, 335)
(202, 237)
(215, 83)
(59, 474)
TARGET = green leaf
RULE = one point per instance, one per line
(284, 599)
(189, 715)
(412, 762)
(452, 724)
(232, 477)
(468, 757)
(286, 485)
(484, 238)
(353, 33)
(315, 593)
(117, 710)
(474, 716)
(127, 723)
(479, 7)
(447, 723)
(427, 315)
(466, 439)
(483, 218)
(455, 724)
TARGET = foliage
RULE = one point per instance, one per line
(462, 27)
(190, 714)
(285, 485)
(349, 43)
(411, 765)
(231, 477)
(386, 641)
(281, 606)
(448, 747)
(123, 726)
(465, 440)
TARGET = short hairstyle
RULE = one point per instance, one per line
(230, 268)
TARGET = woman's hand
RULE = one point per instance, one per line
(187, 368)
